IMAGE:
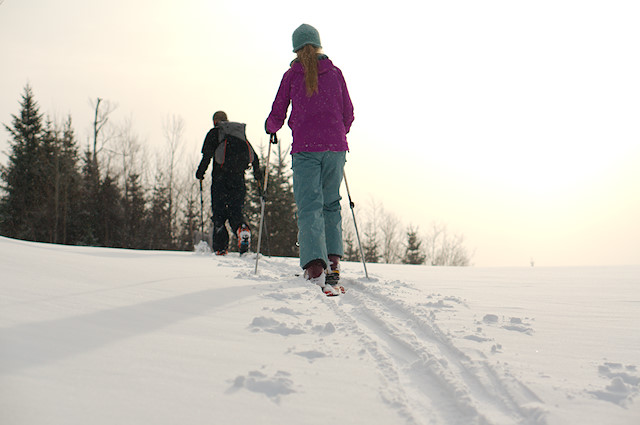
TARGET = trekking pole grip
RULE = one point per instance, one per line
(273, 138)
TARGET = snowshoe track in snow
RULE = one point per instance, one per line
(423, 375)
(411, 351)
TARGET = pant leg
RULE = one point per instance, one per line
(220, 213)
(332, 174)
(308, 193)
(235, 202)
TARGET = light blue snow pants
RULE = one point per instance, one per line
(316, 187)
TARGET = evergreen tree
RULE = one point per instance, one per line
(413, 252)
(69, 186)
(159, 218)
(282, 214)
(20, 206)
(280, 231)
(351, 252)
(370, 246)
(135, 214)
(88, 216)
(190, 222)
(46, 165)
(111, 216)
(41, 178)
(252, 208)
(59, 189)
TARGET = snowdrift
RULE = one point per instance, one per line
(111, 336)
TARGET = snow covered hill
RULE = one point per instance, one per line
(110, 336)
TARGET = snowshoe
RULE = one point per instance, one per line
(333, 274)
(331, 290)
(221, 252)
(244, 238)
(315, 274)
(333, 277)
(339, 288)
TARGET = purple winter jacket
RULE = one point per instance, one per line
(321, 122)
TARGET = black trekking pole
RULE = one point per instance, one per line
(352, 205)
(201, 211)
(273, 139)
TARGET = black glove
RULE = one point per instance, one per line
(258, 173)
(200, 175)
(274, 138)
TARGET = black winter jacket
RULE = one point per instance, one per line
(209, 146)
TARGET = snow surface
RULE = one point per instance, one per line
(112, 336)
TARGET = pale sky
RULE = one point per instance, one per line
(515, 123)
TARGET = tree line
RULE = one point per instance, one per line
(385, 240)
(111, 194)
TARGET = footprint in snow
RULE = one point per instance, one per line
(283, 295)
(274, 387)
(623, 386)
(271, 325)
(476, 338)
(287, 311)
(311, 355)
(513, 324)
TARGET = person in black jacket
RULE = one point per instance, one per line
(227, 144)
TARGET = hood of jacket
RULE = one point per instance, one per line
(324, 65)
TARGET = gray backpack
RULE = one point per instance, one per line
(234, 152)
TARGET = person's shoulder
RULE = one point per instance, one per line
(325, 65)
(294, 67)
(212, 134)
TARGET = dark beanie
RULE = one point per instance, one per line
(303, 35)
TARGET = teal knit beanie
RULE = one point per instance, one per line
(303, 35)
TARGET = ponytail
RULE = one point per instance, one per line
(308, 56)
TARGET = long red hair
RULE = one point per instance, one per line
(308, 57)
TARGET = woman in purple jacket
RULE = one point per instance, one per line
(321, 116)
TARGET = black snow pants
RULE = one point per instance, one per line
(227, 201)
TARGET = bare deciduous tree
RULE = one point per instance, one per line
(383, 241)
(101, 118)
(443, 249)
(382, 234)
(390, 232)
(130, 149)
(173, 128)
